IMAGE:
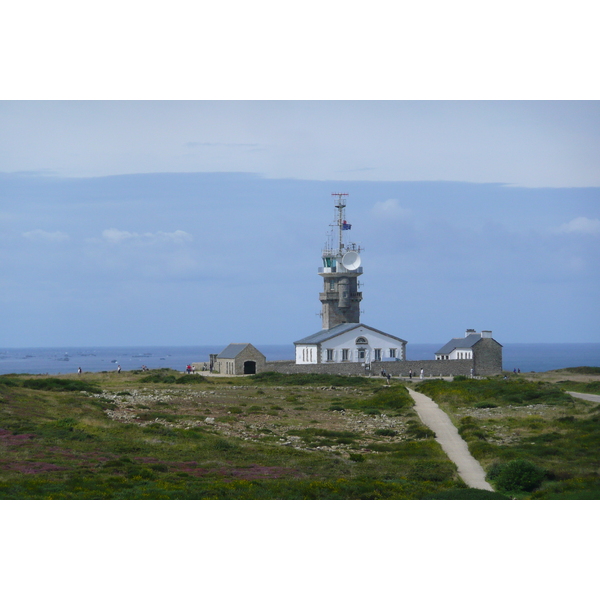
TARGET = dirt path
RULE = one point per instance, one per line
(449, 439)
(590, 397)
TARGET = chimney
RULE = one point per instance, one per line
(486, 334)
(469, 332)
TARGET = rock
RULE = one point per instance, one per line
(209, 420)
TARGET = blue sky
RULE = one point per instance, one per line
(189, 223)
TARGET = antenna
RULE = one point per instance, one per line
(341, 206)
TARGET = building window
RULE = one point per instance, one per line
(377, 353)
(332, 284)
(361, 340)
(329, 354)
(344, 353)
(361, 353)
(392, 352)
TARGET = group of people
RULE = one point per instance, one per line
(190, 369)
(410, 374)
(384, 373)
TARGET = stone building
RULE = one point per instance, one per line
(343, 339)
(239, 359)
(481, 348)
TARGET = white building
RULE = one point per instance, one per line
(343, 338)
(349, 342)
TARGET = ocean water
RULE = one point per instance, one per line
(526, 357)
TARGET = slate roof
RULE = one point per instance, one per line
(466, 342)
(327, 334)
(232, 350)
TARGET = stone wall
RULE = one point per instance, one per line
(431, 368)
(487, 356)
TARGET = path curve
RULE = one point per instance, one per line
(590, 397)
(449, 439)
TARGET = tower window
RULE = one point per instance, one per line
(332, 284)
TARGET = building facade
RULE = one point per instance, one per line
(349, 343)
(239, 359)
(481, 348)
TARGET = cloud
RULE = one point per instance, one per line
(581, 225)
(390, 209)
(116, 236)
(39, 235)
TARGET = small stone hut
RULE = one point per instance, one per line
(240, 359)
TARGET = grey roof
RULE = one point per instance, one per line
(466, 342)
(327, 334)
(232, 350)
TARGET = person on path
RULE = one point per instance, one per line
(79, 370)
(410, 374)
(421, 374)
(118, 368)
(388, 378)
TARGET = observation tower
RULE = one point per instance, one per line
(341, 268)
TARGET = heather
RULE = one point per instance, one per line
(163, 435)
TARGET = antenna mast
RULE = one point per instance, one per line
(341, 207)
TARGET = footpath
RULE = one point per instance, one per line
(449, 439)
(590, 397)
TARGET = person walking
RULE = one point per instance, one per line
(410, 374)
(421, 374)
(118, 368)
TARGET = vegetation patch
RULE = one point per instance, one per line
(310, 379)
(52, 384)
(467, 494)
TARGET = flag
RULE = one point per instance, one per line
(346, 226)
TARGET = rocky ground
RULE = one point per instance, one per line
(267, 415)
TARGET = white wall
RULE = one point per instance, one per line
(348, 340)
(306, 355)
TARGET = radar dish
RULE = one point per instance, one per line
(351, 260)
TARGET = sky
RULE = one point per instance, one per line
(202, 222)
(166, 175)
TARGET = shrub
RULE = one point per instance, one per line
(54, 384)
(418, 431)
(485, 404)
(357, 457)
(386, 432)
(273, 378)
(519, 476)
(467, 494)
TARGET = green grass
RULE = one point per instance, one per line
(310, 379)
(532, 426)
(589, 387)
(61, 442)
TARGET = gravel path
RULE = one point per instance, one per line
(590, 397)
(449, 439)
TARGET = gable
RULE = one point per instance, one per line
(347, 333)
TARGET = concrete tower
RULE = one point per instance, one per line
(341, 267)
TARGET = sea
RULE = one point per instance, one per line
(63, 360)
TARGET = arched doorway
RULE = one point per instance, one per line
(249, 367)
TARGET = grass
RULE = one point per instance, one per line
(530, 430)
(144, 436)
